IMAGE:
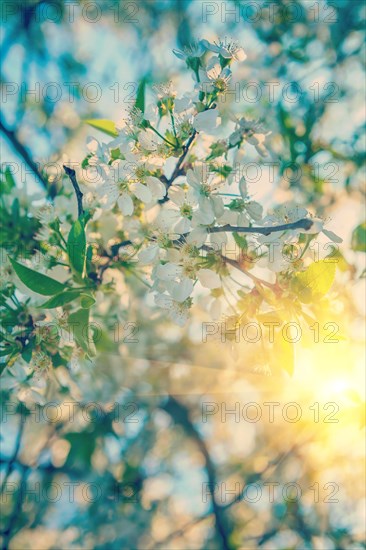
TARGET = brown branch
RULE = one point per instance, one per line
(79, 196)
(305, 224)
(176, 172)
(23, 152)
(237, 265)
(14, 456)
(180, 415)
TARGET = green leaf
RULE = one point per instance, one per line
(9, 182)
(86, 301)
(85, 162)
(76, 247)
(37, 281)
(82, 446)
(240, 240)
(116, 154)
(61, 299)
(27, 353)
(15, 211)
(359, 238)
(79, 326)
(315, 282)
(106, 126)
(140, 96)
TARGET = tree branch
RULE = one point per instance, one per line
(237, 265)
(181, 159)
(79, 196)
(305, 224)
(14, 456)
(180, 415)
(22, 151)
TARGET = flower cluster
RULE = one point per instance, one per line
(167, 205)
(170, 172)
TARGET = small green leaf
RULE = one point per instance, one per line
(315, 282)
(116, 154)
(86, 301)
(61, 299)
(89, 253)
(6, 351)
(27, 353)
(359, 238)
(240, 240)
(15, 210)
(37, 281)
(85, 162)
(9, 179)
(140, 96)
(79, 326)
(76, 247)
(106, 126)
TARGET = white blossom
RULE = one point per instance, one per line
(227, 49)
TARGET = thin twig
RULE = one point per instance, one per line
(237, 265)
(22, 151)
(180, 414)
(14, 456)
(79, 196)
(305, 224)
(177, 169)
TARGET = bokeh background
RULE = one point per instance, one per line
(141, 450)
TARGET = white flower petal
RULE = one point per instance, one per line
(207, 121)
(218, 240)
(243, 189)
(149, 140)
(177, 195)
(197, 236)
(183, 226)
(167, 219)
(255, 210)
(126, 204)
(164, 301)
(156, 187)
(205, 214)
(168, 271)
(182, 290)
(142, 192)
(149, 254)
(209, 279)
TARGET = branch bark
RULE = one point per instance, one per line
(305, 224)
(180, 415)
(178, 167)
(79, 196)
(23, 152)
